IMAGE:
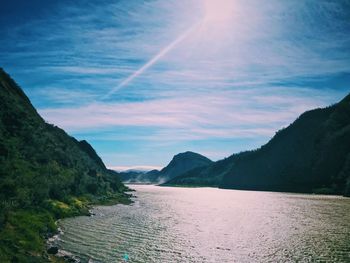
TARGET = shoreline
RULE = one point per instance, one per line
(51, 242)
(183, 204)
(247, 190)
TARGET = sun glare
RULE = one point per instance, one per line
(218, 10)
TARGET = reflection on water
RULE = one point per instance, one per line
(168, 224)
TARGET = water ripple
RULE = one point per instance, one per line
(211, 225)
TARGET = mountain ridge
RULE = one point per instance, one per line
(312, 154)
(183, 162)
(304, 157)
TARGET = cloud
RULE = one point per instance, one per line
(240, 78)
(64, 96)
(228, 114)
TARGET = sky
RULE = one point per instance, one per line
(143, 80)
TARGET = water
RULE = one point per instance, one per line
(168, 224)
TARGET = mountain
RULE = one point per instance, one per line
(45, 174)
(181, 163)
(209, 175)
(311, 155)
(87, 148)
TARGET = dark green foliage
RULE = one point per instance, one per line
(21, 237)
(39, 162)
(311, 155)
(86, 147)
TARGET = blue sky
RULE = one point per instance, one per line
(144, 80)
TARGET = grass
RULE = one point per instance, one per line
(23, 237)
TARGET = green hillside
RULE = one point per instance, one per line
(209, 175)
(45, 174)
(311, 155)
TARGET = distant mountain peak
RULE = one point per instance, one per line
(180, 163)
(189, 154)
(183, 162)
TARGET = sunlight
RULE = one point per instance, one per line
(151, 62)
(218, 10)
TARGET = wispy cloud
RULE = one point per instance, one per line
(152, 61)
(221, 114)
(157, 72)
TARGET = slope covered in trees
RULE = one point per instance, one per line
(311, 155)
(209, 175)
(45, 174)
(183, 162)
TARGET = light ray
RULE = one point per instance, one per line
(151, 62)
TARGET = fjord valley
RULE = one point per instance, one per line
(173, 131)
(48, 175)
(45, 175)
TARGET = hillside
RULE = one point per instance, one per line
(311, 155)
(209, 175)
(45, 174)
(180, 164)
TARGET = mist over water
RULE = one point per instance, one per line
(167, 224)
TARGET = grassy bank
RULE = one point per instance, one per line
(24, 231)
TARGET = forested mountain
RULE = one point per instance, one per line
(183, 162)
(311, 155)
(209, 175)
(44, 174)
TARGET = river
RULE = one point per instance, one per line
(170, 224)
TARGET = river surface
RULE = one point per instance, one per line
(169, 224)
